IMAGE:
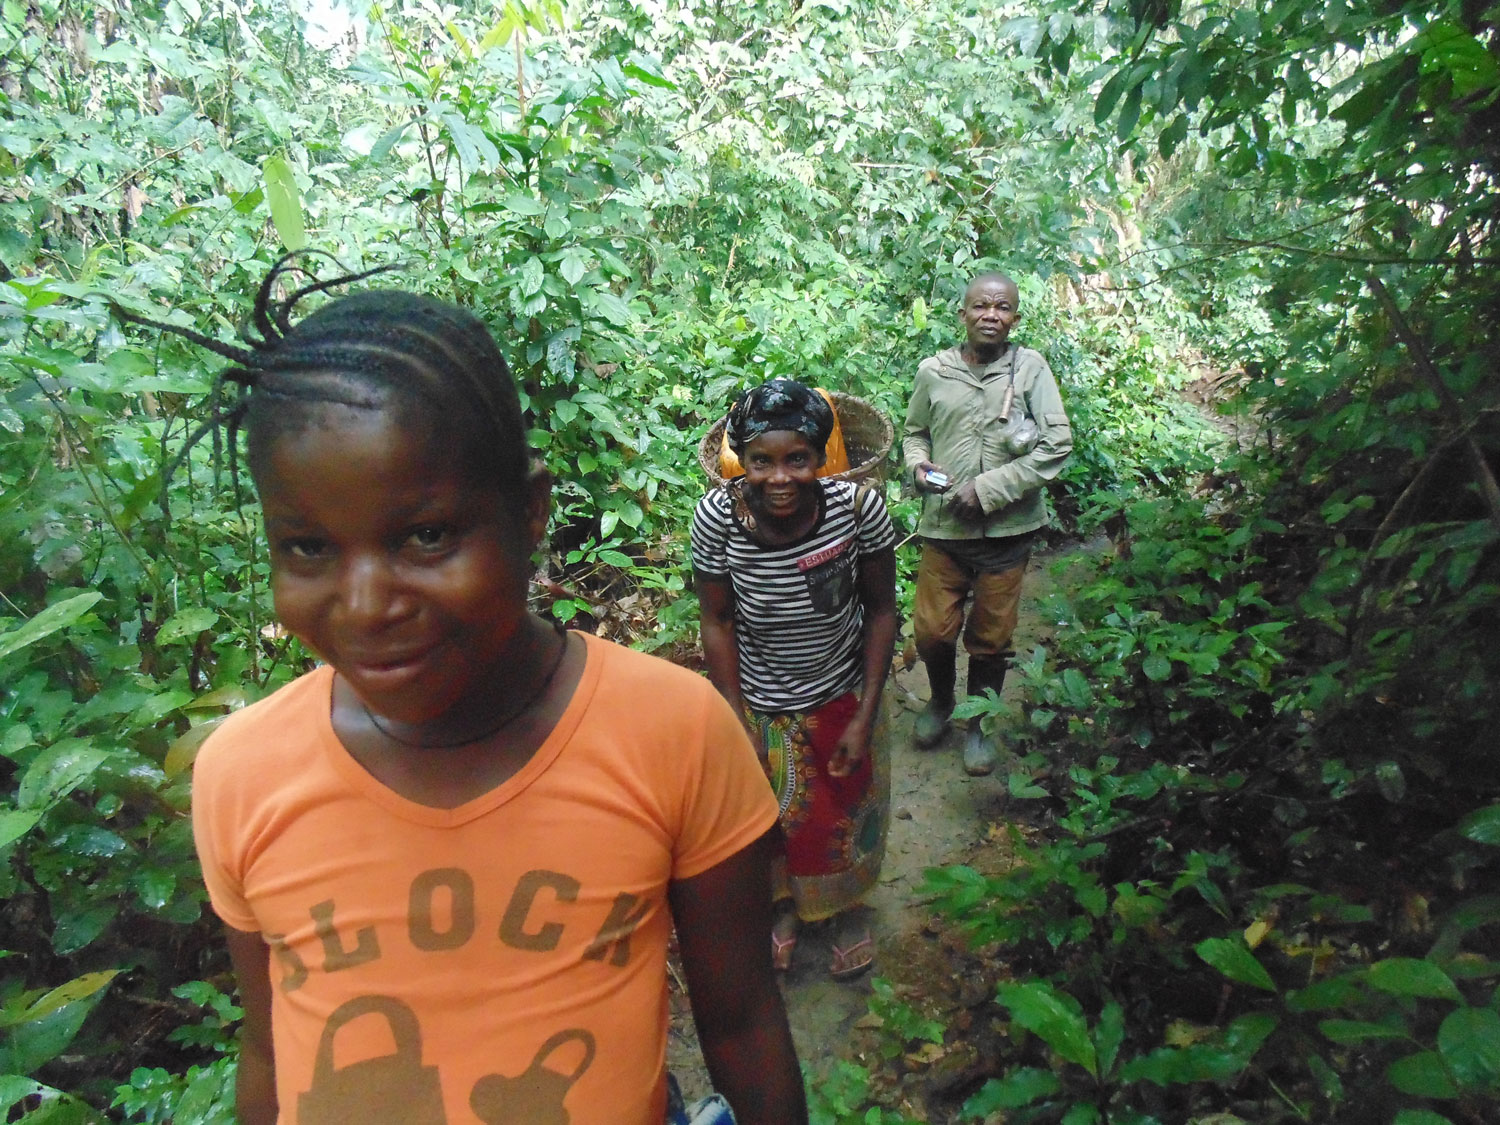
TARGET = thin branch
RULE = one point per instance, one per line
(77, 456)
(1489, 489)
(118, 184)
(1362, 259)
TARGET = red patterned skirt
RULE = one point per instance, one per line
(834, 827)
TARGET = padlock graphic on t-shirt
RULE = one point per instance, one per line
(536, 1095)
(394, 1087)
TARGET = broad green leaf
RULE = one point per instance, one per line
(573, 267)
(1357, 1031)
(1469, 1041)
(155, 887)
(1054, 1017)
(1407, 976)
(532, 275)
(1335, 992)
(1076, 687)
(1422, 1076)
(1109, 1035)
(499, 34)
(187, 623)
(1081, 1113)
(90, 840)
(15, 823)
(42, 1031)
(1130, 114)
(184, 749)
(1482, 826)
(1216, 1061)
(1419, 1117)
(1173, 135)
(77, 928)
(1109, 95)
(159, 706)
(1157, 666)
(1232, 957)
(388, 141)
(1022, 787)
(57, 771)
(285, 202)
(1018, 1088)
(461, 134)
(611, 307)
(1445, 46)
(1381, 81)
(246, 202)
(919, 314)
(1246, 1033)
(523, 204)
(1093, 898)
(641, 74)
(56, 616)
(631, 514)
(79, 988)
(15, 1088)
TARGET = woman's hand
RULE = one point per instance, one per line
(853, 747)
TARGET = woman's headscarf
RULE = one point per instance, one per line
(780, 404)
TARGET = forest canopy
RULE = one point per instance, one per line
(1259, 748)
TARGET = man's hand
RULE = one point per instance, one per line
(853, 748)
(965, 502)
(919, 478)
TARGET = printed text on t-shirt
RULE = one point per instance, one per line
(829, 574)
(526, 924)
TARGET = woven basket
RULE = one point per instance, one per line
(868, 436)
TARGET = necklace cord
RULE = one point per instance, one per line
(526, 705)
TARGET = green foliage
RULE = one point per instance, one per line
(842, 1097)
(901, 1025)
(203, 1095)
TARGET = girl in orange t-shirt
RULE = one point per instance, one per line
(385, 439)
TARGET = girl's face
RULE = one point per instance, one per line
(781, 474)
(392, 566)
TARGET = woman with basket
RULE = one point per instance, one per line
(796, 577)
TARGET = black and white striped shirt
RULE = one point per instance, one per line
(798, 620)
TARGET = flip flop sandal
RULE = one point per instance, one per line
(850, 963)
(781, 952)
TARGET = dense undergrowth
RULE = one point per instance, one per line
(1257, 757)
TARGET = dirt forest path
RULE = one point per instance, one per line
(938, 815)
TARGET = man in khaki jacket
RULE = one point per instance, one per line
(985, 431)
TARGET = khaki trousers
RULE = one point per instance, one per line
(942, 586)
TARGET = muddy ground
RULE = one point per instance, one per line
(939, 816)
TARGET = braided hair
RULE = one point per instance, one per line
(373, 350)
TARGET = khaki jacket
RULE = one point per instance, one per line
(953, 421)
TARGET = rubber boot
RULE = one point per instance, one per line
(932, 723)
(981, 750)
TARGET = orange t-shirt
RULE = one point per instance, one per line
(503, 961)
